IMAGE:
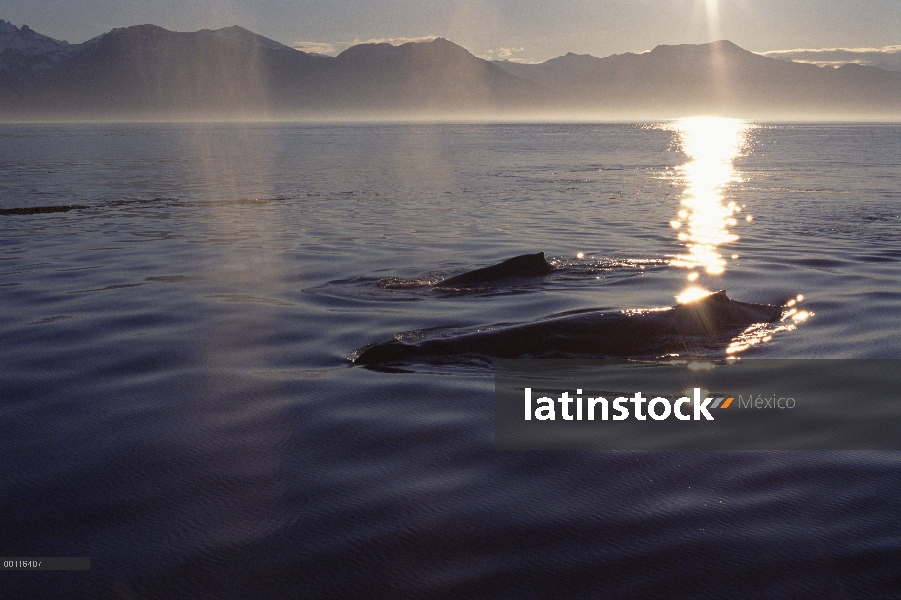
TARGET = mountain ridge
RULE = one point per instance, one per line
(148, 71)
(24, 48)
(720, 78)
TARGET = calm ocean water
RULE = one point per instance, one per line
(175, 400)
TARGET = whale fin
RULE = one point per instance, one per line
(719, 297)
(718, 311)
(525, 265)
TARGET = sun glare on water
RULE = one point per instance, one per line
(706, 218)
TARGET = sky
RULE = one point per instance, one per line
(522, 30)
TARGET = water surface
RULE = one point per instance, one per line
(176, 403)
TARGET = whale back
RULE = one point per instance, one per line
(707, 322)
(525, 265)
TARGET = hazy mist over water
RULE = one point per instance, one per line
(177, 404)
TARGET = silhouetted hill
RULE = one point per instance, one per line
(430, 76)
(146, 71)
(149, 71)
(715, 78)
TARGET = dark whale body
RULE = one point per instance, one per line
(711, 321)
(526, 265)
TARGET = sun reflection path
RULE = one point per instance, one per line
(705, 218)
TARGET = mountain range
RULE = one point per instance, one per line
(147, 72)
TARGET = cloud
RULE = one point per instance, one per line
(334, 48)
(887, 57)
(316, 47)
(396, 41)
(503, 53)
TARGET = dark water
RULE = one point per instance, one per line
(176, 402)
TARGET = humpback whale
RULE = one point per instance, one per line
(711, 321)
(526, 265)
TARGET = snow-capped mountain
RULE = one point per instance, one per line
(23, 49)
